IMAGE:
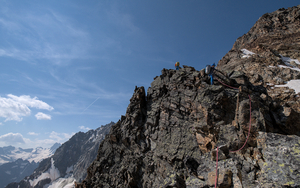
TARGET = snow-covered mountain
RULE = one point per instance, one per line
(69, 163)
(17, 163)
(11, 154)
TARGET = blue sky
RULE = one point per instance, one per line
(69, 66)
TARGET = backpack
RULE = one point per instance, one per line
(207, 69)
(176, 64)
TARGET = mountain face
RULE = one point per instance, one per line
(245, 125)
(16, 171)
(69, 162)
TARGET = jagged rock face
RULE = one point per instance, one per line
(274, 36)
(169, 137)
(277, 31)
(70, 160)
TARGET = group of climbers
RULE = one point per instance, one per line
(208, 70)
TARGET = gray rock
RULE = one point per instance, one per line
(168, 138)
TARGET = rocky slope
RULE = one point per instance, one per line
(169, 137)
(69, 162)
(275, 42)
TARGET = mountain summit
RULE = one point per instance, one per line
(246, 125)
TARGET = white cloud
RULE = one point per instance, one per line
(33, 133)
(84, 128)
(55, 135)
(17, 139)
(67, 135)
(42, 116)
(31, 102)
(12, 139)
(14, 108)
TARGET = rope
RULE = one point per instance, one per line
(249, 128)
(237, 109)
(216, 179)
(226, 84)
(249, 118)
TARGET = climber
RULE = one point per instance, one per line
(177, 65)
(211, 73)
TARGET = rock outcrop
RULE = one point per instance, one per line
(168, 138)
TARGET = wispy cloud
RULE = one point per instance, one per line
(81, 89)
(123, 20)
(42, 34)
(84, 128)
(33, 133)
(14, 108)
(54, 137)
(42, 116)
(59, 137)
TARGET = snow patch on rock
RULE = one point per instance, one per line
(52, 173)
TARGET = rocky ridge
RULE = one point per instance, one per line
(168, 138)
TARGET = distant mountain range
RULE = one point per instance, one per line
(11, 154)
(69, 162)
(17, 163)
(16, 171)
